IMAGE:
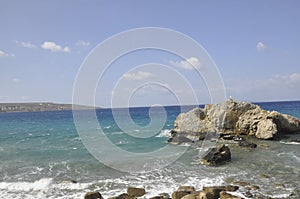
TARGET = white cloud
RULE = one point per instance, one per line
(3, 54)
(49, 45)
(138, 75)
(82, 43)
(188, 64)
(260, 46)
(25, 44)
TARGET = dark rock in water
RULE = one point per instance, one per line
(227, 137)
(216, 155)
(93, 195)
(179, 140)
(136, 192)
(188, 189)
(179, 194)
(225, 195)
(245, 143)
(262, 175)
(157, 197)
(73, 181)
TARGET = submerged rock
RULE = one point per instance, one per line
(216, 155)
(233, 118)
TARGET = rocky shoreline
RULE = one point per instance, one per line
(39, 106)
(189, 192)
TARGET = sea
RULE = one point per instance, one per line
(43, 155)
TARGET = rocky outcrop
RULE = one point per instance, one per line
(216, 155)
(232, 117)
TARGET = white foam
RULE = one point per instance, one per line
(42, 184)
(293, 143)
(164, 133)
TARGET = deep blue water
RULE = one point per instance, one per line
(40, 152)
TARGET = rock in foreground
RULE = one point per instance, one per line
(232, 117)
(216, 155)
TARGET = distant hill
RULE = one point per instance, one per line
(34, 107)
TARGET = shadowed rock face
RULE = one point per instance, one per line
(232, 117)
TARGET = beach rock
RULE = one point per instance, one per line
(93, 195)
(189, 196)
(233, 118)
(245, 143)
(202, 195)
(225, 195)
(136, 192)
(216, 155)
(188, 189)
(179, 194)
(214, 191)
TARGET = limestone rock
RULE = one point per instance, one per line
(179, 194)
(232, 117)
(216, 155)
(93, 195)
(136, 192)
(188, 189)
(189, 196)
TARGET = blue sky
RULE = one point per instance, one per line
(255, 45)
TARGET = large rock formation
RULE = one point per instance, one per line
(232, 117)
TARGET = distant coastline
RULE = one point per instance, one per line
(39, 106)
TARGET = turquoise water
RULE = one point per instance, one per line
(41, 152)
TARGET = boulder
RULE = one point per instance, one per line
(93, 195)
(179, 194)
(214, 191)
(234, 118)
(202, 195)
(136, 192)
(189, 196)
(188, 189)
(225, 195)
(216, 155)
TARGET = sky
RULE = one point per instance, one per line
(255, 46)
